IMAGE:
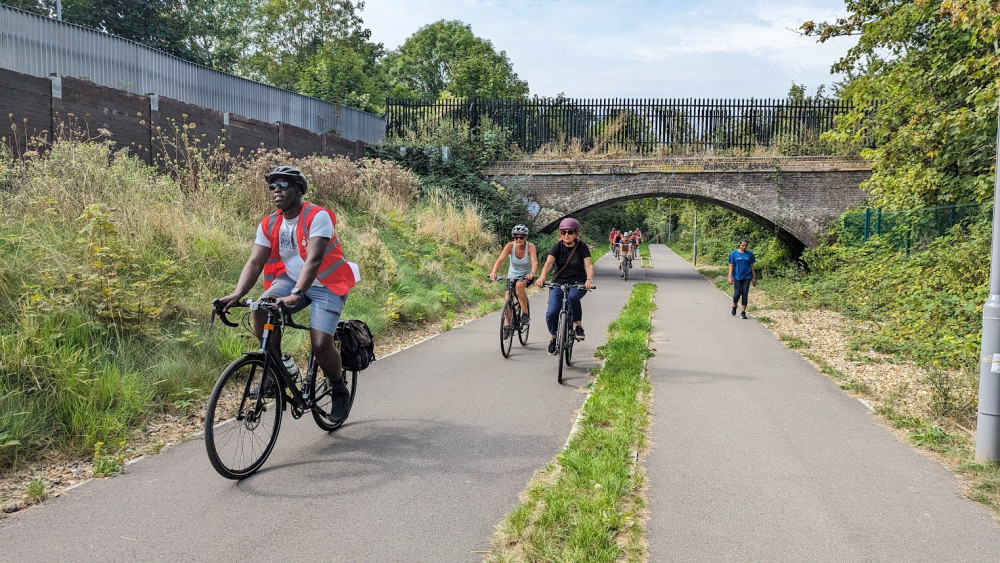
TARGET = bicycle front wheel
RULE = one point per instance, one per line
(507, 331)
(561, 334)
(626, 267)
(243, 418)
(321, 396)
(522, 329)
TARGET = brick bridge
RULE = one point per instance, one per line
(795, 196)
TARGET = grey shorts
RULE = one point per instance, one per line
(325, 305)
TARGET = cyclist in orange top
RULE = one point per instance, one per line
(298, 251)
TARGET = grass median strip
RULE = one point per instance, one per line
(587, 505)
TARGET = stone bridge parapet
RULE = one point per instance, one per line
(796, 196)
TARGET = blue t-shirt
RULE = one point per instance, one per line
(741, 264)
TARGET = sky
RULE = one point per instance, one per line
(638, 48)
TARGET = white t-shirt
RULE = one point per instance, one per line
(322, 226)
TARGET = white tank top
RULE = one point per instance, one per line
(519, 268)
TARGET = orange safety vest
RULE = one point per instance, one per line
(334, 272)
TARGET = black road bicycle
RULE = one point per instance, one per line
(512, 310)
(626, 265)
(564, 331)
(244, 412)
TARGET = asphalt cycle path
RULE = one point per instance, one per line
(441, 441)
(755, 456)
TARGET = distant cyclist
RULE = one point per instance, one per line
(626, 250)
(523, 264)
(303, 264)
(616, 242)
(570, 258)
(635, 238)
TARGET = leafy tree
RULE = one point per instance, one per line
(319, 48)
(923, 79)
(446, 59)
(217, 31)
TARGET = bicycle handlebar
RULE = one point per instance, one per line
(265, 303)
(568, 286)
(218, 311)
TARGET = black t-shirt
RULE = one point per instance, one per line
(574, 272)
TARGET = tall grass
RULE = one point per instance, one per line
(108, 267)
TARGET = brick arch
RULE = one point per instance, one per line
(796, 196)
(789, 238)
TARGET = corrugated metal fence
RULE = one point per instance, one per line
(40, 46)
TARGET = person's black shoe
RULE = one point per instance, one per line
(733, 313)
(552, 346)
(578, 333)
(525, 319)
(743, 315)
(341, 404)
(506, 331)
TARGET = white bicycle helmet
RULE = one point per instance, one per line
(519, 230)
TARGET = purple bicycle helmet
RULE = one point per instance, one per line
(569, 223)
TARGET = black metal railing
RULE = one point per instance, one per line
(630, 125)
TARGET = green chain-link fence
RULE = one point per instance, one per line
(909, 228)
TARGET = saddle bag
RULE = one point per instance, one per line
(357, 347)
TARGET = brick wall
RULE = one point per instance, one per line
(41, 108)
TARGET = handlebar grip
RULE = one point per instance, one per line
(217, 311)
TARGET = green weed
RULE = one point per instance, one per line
(109, 462)
(793, 342)
(36, 491)
(929, 436)
(856, 386)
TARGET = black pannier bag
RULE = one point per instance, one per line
(357, 347)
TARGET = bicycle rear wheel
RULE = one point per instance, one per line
(522, 329)
(568, 348)
(243, 418)
(321, 395)
(507, 332)
(561, 333)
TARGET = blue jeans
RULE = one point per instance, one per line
(555, 304)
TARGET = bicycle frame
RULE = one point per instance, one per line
(270, 354)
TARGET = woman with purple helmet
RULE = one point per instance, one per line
(570, 257)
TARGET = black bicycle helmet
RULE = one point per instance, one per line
(290, 173)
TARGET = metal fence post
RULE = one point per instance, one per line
(694, 246)
(988, 418)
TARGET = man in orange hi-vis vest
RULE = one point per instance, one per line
(303, 265)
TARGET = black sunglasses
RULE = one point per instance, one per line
(280, 185)
(567, 231)
(519, 237)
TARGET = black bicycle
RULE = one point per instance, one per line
(244, 412)
(564, 329)
(510, 319)
(626, 265)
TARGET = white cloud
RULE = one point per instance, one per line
(592, 48)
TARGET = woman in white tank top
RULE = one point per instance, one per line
(523, 265)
